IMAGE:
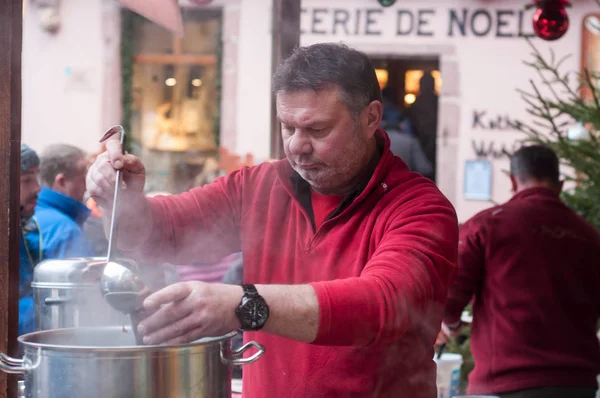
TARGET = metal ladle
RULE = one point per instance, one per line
(120, 284)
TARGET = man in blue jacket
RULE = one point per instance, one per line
(30, 249)
(60, 211)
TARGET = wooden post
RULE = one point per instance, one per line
(286, 36)
(10, 158)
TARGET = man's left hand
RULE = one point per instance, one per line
(449, 332)
(188, 311)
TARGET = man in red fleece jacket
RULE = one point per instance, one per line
(347, 254)
(531, 265)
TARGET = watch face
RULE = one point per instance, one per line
(254, 313)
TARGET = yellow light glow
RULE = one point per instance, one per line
(412, 81)
(171, 81)
(409, 99)
(196, 82)
(382, 77)
(437, 78)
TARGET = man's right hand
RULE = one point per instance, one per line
(101, 176)
(134, 209)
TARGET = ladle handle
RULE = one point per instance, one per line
(113, 217)
(135, 318)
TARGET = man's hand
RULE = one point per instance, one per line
(134, 210)
(450, 331)
(101, 176)
(188, 311)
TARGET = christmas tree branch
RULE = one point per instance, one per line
(547, 115)
(555, 104)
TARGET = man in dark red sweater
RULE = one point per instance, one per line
(532, 267)
(347, 254)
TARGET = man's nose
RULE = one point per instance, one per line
(300, 143)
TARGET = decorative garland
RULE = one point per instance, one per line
(128, 24)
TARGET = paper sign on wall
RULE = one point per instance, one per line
(478, 180)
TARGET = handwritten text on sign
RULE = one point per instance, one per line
(485, 121)
(458, 22)
(486, 149)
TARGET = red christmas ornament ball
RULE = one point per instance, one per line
(550, 21)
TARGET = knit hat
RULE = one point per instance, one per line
(29, 158)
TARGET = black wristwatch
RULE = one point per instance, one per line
(253, 310)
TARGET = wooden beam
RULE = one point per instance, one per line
(286, 37)
(10, 158)
(177, 45)
(183, 59)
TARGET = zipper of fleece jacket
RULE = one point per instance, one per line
(336, 214)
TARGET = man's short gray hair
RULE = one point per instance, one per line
(320, 65)
(536, 162)
(57, 159)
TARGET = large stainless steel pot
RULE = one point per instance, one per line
(67, 293)
(105, 363)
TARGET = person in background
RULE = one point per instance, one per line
(93, 227)
(402, 141)
(60, 211)
(423, 114)
(392, 112)
(531, 265)
(30, 249)
(347, 254)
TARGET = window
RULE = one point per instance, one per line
(175, 99)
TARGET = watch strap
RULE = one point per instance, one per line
(250, 290)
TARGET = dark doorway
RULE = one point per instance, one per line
(411, 87)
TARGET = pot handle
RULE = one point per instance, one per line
(241, 350)
(56, 300)
(13, 366)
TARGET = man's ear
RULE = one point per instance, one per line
(60, 182)
(514, 185)
(374, 113)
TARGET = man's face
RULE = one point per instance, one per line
(74, 186)
(30, 188)
(322, 141)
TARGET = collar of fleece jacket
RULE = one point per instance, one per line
(300, 189)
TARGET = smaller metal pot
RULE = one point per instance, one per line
(67, 293)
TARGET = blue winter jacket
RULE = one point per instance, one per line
(30, 255)
(59, 219)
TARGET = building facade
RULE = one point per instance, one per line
(212, 88)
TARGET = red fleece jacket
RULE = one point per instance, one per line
(532, 266)
(380, 268)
